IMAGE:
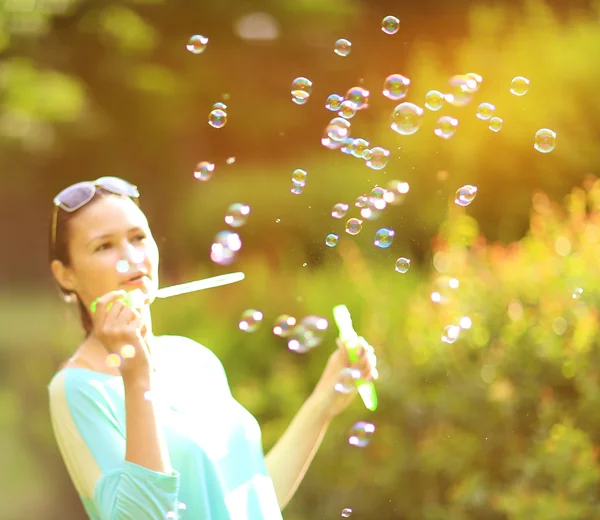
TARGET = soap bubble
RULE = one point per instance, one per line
(301, 89)
(204, 170)
(384, 238)
(450, 333)
(197, 44)
(334, 102)
(225, 247)
(250, 320)
(217, 118)
(495, 124)
(519, 86)
(446, 127)
(545, 140)
(395, 87)
(347, 109)
(342, 47)
(339, 210)
(379, 158)
(353, 226)
(359, 147)
(308, 334)
(465, 195)
(346, 512)
(284, 325)
(361, 434)
(407, 118)
(347, 380)
(359, 96)
(402, 265)
(434, 100)
(390, 25)
(485, 111)
(299, 177)
(331, 240)
(338, 129)
(237, 214)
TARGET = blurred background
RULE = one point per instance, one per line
(488, 343)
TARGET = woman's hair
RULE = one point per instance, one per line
(61, 251)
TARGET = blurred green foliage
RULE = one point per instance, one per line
(499, 425)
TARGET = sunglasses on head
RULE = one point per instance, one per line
(78, 195)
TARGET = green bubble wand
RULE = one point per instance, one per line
(343, 320)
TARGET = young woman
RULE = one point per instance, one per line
(160, 434)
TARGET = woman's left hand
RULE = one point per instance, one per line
(332, 401)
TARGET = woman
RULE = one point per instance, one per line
(159, 433)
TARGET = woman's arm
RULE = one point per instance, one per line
(289, 459)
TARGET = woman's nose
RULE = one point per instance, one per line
(133, 255)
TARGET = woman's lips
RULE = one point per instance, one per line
(137, 282)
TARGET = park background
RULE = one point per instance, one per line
(503, 424)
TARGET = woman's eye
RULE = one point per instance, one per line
(103, 247)
(140, 237)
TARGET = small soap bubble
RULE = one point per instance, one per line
(390, 25)
(370, 212)
(359, 147)
(217, 118)
(485, 111)
(377, 198)
(301, 89)
(230, 160)
(359, 96)
(361, 434)
(300, 100)
(342, 47)
(297, 189)
(299, 177)
(383, 238)
(462, 88)
(225, 247)
(395, 87)
(444, 290)
(450, 333)
(519, 86)
(545, 140)
(338, 129)
(334, 102)
(204, 170)
(347, 109)
(237, 214)
(577, 293)
(353, 226)
(367, 155)
(361, 201)
(308, 334)
(122, 266)
(284, 325)
(197, 44)
(407, 118)
(434, 100)
(476, 77)
(402, 265)
(347, 380)
(331, 240)
(465, 322)
(465, 195)
(346, 512)
(379, 158)
(339, 210)
(250, 320)
(446, 127)
(495, 124)
(219, 106)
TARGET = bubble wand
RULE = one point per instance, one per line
(343, 320)
(137, 298)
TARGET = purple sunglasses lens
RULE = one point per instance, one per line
(76, 196)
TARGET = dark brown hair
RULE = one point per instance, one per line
(61, 251)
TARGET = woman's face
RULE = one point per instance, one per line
(110, 245)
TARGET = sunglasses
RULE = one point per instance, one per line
(78, 195)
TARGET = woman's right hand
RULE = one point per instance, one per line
(117, 326)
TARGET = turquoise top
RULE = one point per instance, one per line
(215, 444)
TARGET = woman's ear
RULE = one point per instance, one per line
(63, 275)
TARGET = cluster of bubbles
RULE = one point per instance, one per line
(227, 244)
(302, 335)
(179, 514)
